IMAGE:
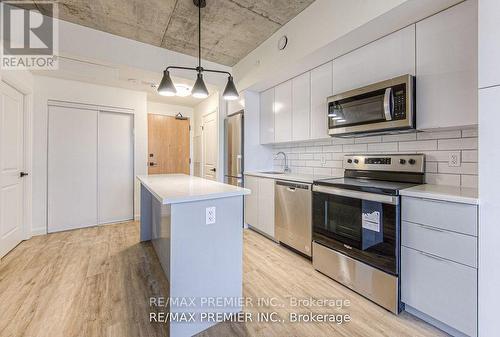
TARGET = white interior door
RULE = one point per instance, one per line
(72, 168)
(209, 133)
(116, 167)
(11, 165)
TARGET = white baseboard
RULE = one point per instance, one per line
(38, 231)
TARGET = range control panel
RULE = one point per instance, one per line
(386, 162)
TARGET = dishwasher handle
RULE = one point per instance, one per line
(292, 186)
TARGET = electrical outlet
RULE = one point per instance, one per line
(210, 215)
(454, 159)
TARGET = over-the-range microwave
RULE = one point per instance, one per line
(382, 107)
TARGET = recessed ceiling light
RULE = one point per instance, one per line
(183, 90)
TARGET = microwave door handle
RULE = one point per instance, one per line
(388, 104)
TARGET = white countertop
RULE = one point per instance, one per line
(464, 195)
(178, 188)
(303, 178)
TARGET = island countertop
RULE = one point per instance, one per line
(179, 188)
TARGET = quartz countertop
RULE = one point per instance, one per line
(178, 188)
(464, 195)
(303, 178)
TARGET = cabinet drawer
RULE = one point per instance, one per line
(451, 216)
(442, 289)
(449, 245)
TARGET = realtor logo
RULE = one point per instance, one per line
(29, 37)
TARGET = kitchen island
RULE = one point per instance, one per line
(196, 228)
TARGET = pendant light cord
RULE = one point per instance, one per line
(199, 35)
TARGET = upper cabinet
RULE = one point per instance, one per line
(447, 68)
(489, 48)
(388, 57)
(301, 106)
(321, 89)
(283, 112)
(267, 116)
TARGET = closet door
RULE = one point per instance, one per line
(72, 168)
(116, 167)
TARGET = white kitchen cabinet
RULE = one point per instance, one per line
(442, 242)
(267, 116)
(321, 89)
(283, 112)
(301, 107)
(252, 200)
(489, 48)
(447, 68)
(259, 205)
(388, 57)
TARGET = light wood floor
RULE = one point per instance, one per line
(96, 282)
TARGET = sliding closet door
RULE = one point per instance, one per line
(116, 167)
(72, 168)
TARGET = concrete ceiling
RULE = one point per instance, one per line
(230, 28)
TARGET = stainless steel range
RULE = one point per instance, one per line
(356, 224)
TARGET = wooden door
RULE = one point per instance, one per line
(168, 144)
(209, 137)
(11, 165)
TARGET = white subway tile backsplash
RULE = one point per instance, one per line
(365, 140)
(439, 134)
(400, 137)
(325, 157)
(419, 145)
(383, 147)
(458, 144)
(469, 156)
(469, 181)
(355, 148)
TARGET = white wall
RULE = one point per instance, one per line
(172, 110)
(489, 162)
(45, 89)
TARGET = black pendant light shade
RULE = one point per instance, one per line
(167, 87)
(199, 89)
(230, 92)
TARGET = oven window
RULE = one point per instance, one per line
(368, 108)
(338, 223)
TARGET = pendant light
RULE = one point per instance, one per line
(167, 87)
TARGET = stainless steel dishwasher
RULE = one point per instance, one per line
(293, 215)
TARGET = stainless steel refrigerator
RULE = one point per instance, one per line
(234, 149)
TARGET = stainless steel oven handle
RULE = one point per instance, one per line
(388, 103)
(385, 199)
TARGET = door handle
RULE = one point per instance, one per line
(153, 164)
(388, 104)
(213, 169)
(23, 174)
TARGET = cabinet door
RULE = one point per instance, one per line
(321, 89)
(447, 68)
(266, 206)
(489, 48)
(252, 201)
(267, 116)
(301, 106)
(388, 57)
(283, 112)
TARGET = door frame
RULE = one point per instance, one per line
(19, 85)
(216, 112)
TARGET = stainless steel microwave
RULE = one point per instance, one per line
(377, 108)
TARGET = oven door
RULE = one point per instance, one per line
(364, 226)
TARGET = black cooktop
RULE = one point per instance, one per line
(366, 185)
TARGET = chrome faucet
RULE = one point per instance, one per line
(286, 169)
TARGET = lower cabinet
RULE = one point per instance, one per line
(439, 264)
(259, 205)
